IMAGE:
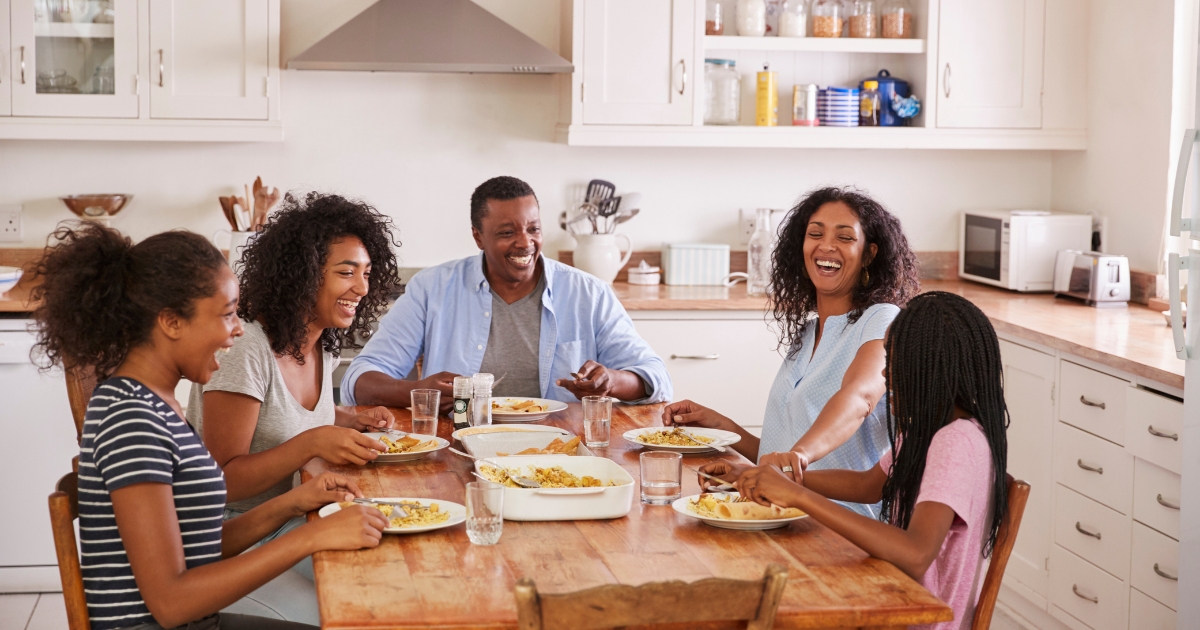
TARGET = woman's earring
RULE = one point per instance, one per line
(866, 277)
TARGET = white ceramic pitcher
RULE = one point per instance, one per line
(599, 255)
(237, 241)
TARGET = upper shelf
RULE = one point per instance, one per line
(816, 44)
(73, 29)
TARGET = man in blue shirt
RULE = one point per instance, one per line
(543, 329)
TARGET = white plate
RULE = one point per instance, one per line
(723, 438)
(386, 458)
(552, 406)
(458, 514)
(681, 505)
(459, 434)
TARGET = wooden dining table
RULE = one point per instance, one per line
(439, 579)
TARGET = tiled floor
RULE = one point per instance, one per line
(46, 612)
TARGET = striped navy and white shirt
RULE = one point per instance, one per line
(130, 435)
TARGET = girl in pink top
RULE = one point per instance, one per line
(943, 484)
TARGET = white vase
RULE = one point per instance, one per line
(599, 255)
(237, 242)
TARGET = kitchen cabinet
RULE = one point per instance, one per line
(5, 82)
(990, 55)
(639, 62)
(209, 60)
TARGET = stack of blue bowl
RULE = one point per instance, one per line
(837, 107)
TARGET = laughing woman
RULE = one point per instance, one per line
(313, 281)
(840, 273)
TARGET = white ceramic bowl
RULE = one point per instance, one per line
(9, 277)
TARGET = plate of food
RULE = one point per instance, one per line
(514, 409)
(720, 509)
(423, 514)
(411, 446)
(681, 439)
(494, 428)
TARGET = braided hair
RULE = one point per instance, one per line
(942, 352)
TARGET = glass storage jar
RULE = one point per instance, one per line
(714, 18)
(828, 17)
(793, 18)
(864, 18)
(897, 19)
(723, 92)
(752, 18)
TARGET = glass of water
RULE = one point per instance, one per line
(485, 512)
(597, 419)
(425, 411)
(661, 476)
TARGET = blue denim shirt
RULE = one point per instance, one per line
(444, 315)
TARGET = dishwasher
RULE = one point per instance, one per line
(37, 442)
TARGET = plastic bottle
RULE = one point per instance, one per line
(462, 402)
(868, 105)
(481, 399)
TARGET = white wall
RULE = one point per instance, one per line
(415, 145)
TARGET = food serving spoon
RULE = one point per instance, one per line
(524, 482)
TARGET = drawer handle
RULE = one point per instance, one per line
(1155, 433)
(699, 357)
(1165, 504)
(1173, 578)
(1075, 589)
(1098, 469)
(1092, 404)
(1079, 528)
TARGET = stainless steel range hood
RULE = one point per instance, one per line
(429, 36)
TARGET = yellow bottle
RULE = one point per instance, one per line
(766, 112)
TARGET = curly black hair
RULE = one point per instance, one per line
(500, 188)
(282, 270)
(100, 294)
(893, 270)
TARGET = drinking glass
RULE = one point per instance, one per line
(425, 411)
(485, 512)
(661, 476)
(597, 418)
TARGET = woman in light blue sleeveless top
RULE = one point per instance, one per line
(840, 272)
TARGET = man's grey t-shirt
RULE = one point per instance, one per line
(249, 368)
(514, 335)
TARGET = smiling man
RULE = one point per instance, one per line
(509, 311)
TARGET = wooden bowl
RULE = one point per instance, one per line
(94, 206)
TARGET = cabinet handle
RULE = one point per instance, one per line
(160, 67)
(1075, 589)
(1173, 578)
(1092, 404)
(1097, 469)
(700, 357)
(683, 85)
(1079, 528)
(22, 65)
(1163, 502)
(1169, 436)
(946, 81)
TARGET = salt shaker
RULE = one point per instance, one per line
(481, 399)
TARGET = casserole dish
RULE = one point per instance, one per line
(566, 504)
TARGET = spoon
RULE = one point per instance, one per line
(524, 482)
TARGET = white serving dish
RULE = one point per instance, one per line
(567, 504)
(9, 277)
(494, 428)
(458, 514)
(385, 458)
(722, 438)
(681, 505)
(513, 442)
(552, 406)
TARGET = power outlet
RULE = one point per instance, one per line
(10, 224)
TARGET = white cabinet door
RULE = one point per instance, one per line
(637, 62)
(990, 63)
(5, 76)
(80, 63)
(209, 59)
(726, 365)
(1028, 392)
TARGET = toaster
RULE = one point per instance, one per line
(1097, 279)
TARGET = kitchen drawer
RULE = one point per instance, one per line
(1153, 425)
(1150, 615)
(1154, 569)
(1093, 467)
(1156, 495)
(1087, 593)
(1092, 401)
(1098, 534)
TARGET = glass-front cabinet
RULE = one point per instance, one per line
(74, 58)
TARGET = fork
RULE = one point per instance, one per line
(687, 434)
(396, 507)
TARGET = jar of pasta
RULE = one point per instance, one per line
(864, 19)
(897, 19)
(828, 17)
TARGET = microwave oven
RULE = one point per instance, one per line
(1016, 249)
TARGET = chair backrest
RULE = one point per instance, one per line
(1018, 494)
(81, 380)
(64, 509)
(616, 605)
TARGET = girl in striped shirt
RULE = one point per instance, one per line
(155, 551)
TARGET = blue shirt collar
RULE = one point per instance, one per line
(478, 282)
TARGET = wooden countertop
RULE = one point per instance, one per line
(17, 300)
(440, 580)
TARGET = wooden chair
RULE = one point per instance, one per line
(81, 380)
(64, 509)
(1018, 494)
(616, 605)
